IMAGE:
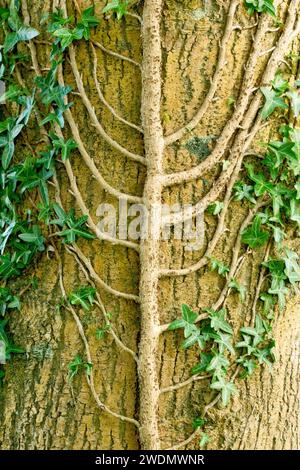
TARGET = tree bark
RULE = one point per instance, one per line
(178, 51)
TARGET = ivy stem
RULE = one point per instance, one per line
(149, 249)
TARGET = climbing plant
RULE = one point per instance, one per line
(265, 183)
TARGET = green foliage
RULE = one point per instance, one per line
(62, 146)
(10, 348)
(280, 95)
(242, 290)
(254, 236)
(204, 440)
(227, 389)
(73, 227)
(78, 364)
(83, 296)
(199, 422)
(19, 32)
(261, 6)
(119, 7)
(218, 266)
(21, 233)
(215, 208)
(256, 347)
(272, 101)
(65, 31)
(244, 191)
(8, 301)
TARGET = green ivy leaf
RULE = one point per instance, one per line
(295, 212)
(205, 360)
(7, 154)
(87, 21)
(83, 296)
(244, 191)
(294, 96)
(204, 440)
(117, 6)
(199, 422)
(218, 365)
(218, 322)
(242, 290)
(227, 389)
(215, 208)
(261, 6)
(76, 364)
(25, 33)
(292, 268)
(254, 236)
(188, 315)
(272, 101)
(279, 84)
(221, 268)
(262, 185)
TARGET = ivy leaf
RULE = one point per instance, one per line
(278, 234)
(227, 389)
(191, 332)
(83, 296)
(218, 365)
(13, 92)
(25, 33)
(188, 315)
(8, 154)
(295, 212)
(281, 150)
(101, 332)
(262, 185)
(75, 227)
(199, 422)
(87, 21)
(249, 366)
(215, 208)
(204, 440)
(67, 36)
(77, 364)
(254, 236)
(266, 355)
(117, 6)
(246, 343)
(221, 268)
(279, 84)
(261, 6)
(239, 288)
(218, 321)
(65, 147)
(278, 288)
(193, 338)
(244, 191)
(205, 360)
(224, 342)
(292, 268)
(256, 333)
(297, 187)
(272, 101)
(294, 134)
(294, 96)
(269, 303)
(34, 237)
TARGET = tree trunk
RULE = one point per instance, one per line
(180, 45)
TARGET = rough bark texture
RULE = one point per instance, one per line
(39, 408)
